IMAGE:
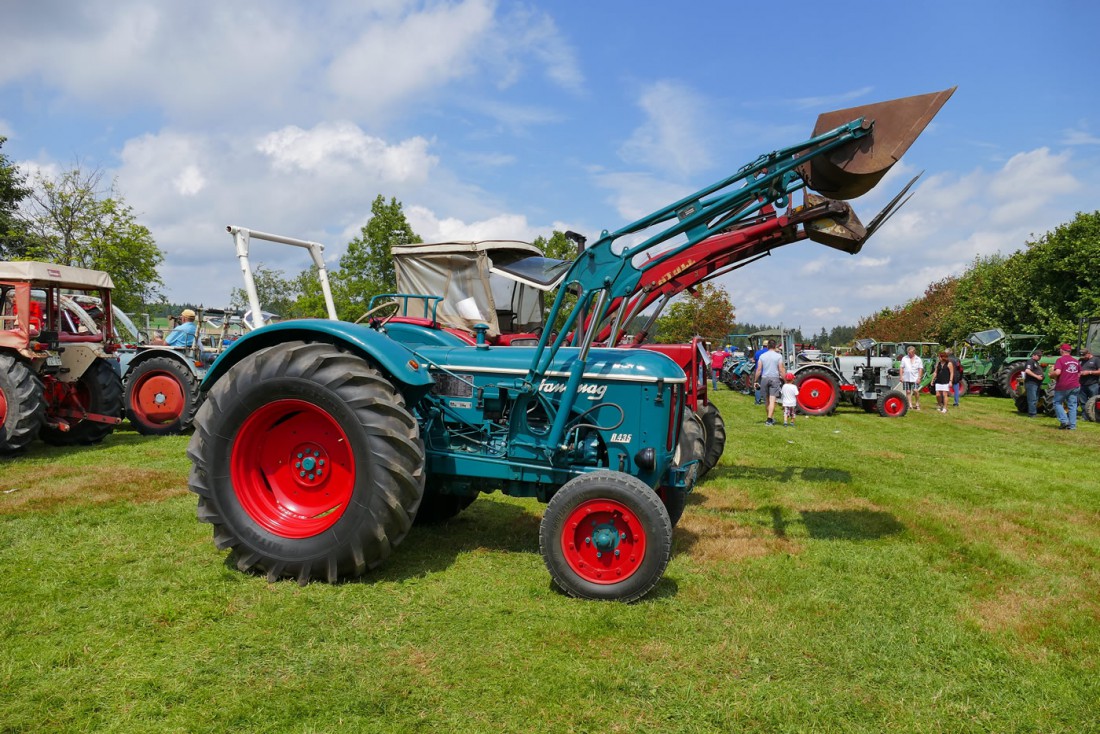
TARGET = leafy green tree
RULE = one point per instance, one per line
(708, 312)
(73, 220)
(13, 190)
(277, 294)
(366, 269)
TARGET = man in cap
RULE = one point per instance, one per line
(184, 334)
(1090, 376)
(1033, 378)
(1067, 374)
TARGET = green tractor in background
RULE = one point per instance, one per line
(993, 361)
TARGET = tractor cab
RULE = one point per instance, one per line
(499, 283)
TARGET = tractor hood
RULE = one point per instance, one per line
(614, 365)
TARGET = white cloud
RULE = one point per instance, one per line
(671, 139)
(339, 148)
(1079, 137)
(202, 60)
(395, 57)
(190, 181)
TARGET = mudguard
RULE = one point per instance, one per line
(408, 373)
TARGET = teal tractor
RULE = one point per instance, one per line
(319, 442)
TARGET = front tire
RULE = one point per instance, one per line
(606, 536)
(99, 390)
(307, 463)
(818, 391)
(22, 410)
(161, 397)
(1090, 408)
(714, 429)
(893, 404)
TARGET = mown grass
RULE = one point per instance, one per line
(929, 574)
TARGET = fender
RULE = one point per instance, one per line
(408, 373)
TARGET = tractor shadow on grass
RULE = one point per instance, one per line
(786, 474)
(485, 526)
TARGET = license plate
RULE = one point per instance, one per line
(53, 360)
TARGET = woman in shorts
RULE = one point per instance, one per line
(943, 376)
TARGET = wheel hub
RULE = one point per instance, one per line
(310, 462)
(603, 541)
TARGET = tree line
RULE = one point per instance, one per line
(1044, 288)
(76, 218)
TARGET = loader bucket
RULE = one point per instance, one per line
(842, 231)
(853, 169)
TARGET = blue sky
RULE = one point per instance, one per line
(509, 120)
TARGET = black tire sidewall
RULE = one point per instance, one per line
(641, 501)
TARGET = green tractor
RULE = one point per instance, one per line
(993, 361)
(320, 442)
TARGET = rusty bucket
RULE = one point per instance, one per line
(853, 169)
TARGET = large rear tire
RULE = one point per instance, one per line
(1011, 378)
(818, 391)
(714, 429)
(1046, 399)
(307, 463)
(99, 390)
(22, 410)
(161, 397)
(605, 535)
(690, 448)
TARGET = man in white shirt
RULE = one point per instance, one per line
(912, 372)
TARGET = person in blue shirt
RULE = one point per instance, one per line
(184, 334)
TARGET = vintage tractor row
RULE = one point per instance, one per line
(319, 442)
(58, 375)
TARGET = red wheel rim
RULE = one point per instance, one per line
(292, 469)
(158, 397)
(3, 408)
(1014, 381)
(603, 541)
(893, 405)
(815, 393)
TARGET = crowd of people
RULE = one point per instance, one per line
(1076, 380)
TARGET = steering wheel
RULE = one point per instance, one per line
(380, 307)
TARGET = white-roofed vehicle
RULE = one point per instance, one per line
(59, 376)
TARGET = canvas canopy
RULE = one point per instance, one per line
(462, 273)
(62, 276)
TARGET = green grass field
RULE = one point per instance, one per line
(937, 573)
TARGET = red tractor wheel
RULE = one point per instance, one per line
(893, 404)
(161, 396)
(307, 463)
(818, 391)
(606, 535)
(1011, 379)
(22, 409)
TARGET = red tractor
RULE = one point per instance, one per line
(59, 378)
